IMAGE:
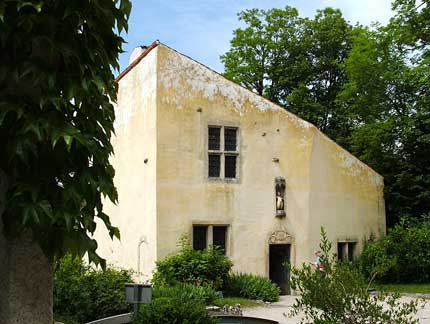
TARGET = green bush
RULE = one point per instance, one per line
(207, 267)
(85, 294)
(252, 287)
(340, 295)
(164, 310)
(403, 255)
(202, 294)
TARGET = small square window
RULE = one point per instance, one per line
(230, 166)
(201, 238)
(214, 165)
(346, 251)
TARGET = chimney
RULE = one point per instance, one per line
(136, 53)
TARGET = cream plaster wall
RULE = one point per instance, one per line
(134, 143)
(165, 105)
(325, 184)
(346, 195)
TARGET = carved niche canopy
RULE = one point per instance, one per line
(280, 237)
(280, 196)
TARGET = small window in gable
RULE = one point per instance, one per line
(223, 152)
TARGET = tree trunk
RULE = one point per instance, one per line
(25, 278)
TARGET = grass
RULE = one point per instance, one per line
(231, 301)
(64, 319)
(404, 288)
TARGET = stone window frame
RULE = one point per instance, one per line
(222, 152)
(345, 253)
(209, 234)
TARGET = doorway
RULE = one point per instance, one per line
(279, 254)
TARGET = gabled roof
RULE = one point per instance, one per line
(137, 60)
(147, 50)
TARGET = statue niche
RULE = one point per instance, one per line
(280, 196)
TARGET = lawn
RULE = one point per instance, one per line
(405, 288)
(231, 301)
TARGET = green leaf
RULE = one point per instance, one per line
(2, 8)
(46, 208)
(68, 140)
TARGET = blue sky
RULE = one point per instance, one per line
(202, 29)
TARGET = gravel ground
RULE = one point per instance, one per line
(276, 311)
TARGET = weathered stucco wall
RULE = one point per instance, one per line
(25, 278)
(165, 106)
(135, 171)
(191, 97)
(346, 196)
(323, 186)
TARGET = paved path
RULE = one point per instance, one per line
(276, 310)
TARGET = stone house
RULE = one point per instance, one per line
(197, 154)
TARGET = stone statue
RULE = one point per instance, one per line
(279, 201)
(280, 196)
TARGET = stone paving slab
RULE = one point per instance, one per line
(276, 311)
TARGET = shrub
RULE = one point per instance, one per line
(201, 294)
(401, 256)
(252, 287)
(207, 267)
(85, 294)
(164, 310)
(340, 295)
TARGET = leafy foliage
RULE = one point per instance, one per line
(252, 286)
(340, 295)
(165, 310)
(84, 294)
(56, 118)
(206, 267)
(401, 256)
(202, 294)
(368, 88)
(293, 61)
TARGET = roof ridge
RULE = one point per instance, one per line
(137, 60)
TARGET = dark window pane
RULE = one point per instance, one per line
(340, 251)
(219, 237)
(199, 237)
(214, 165)
(214, 138)
(230, 166)
(230, 139)
(351, 250)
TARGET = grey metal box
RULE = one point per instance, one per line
(138, 293)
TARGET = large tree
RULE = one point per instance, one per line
(293, 61)
(56, 118)
(388, 96)
(368, 88)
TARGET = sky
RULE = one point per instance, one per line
(202, 29)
